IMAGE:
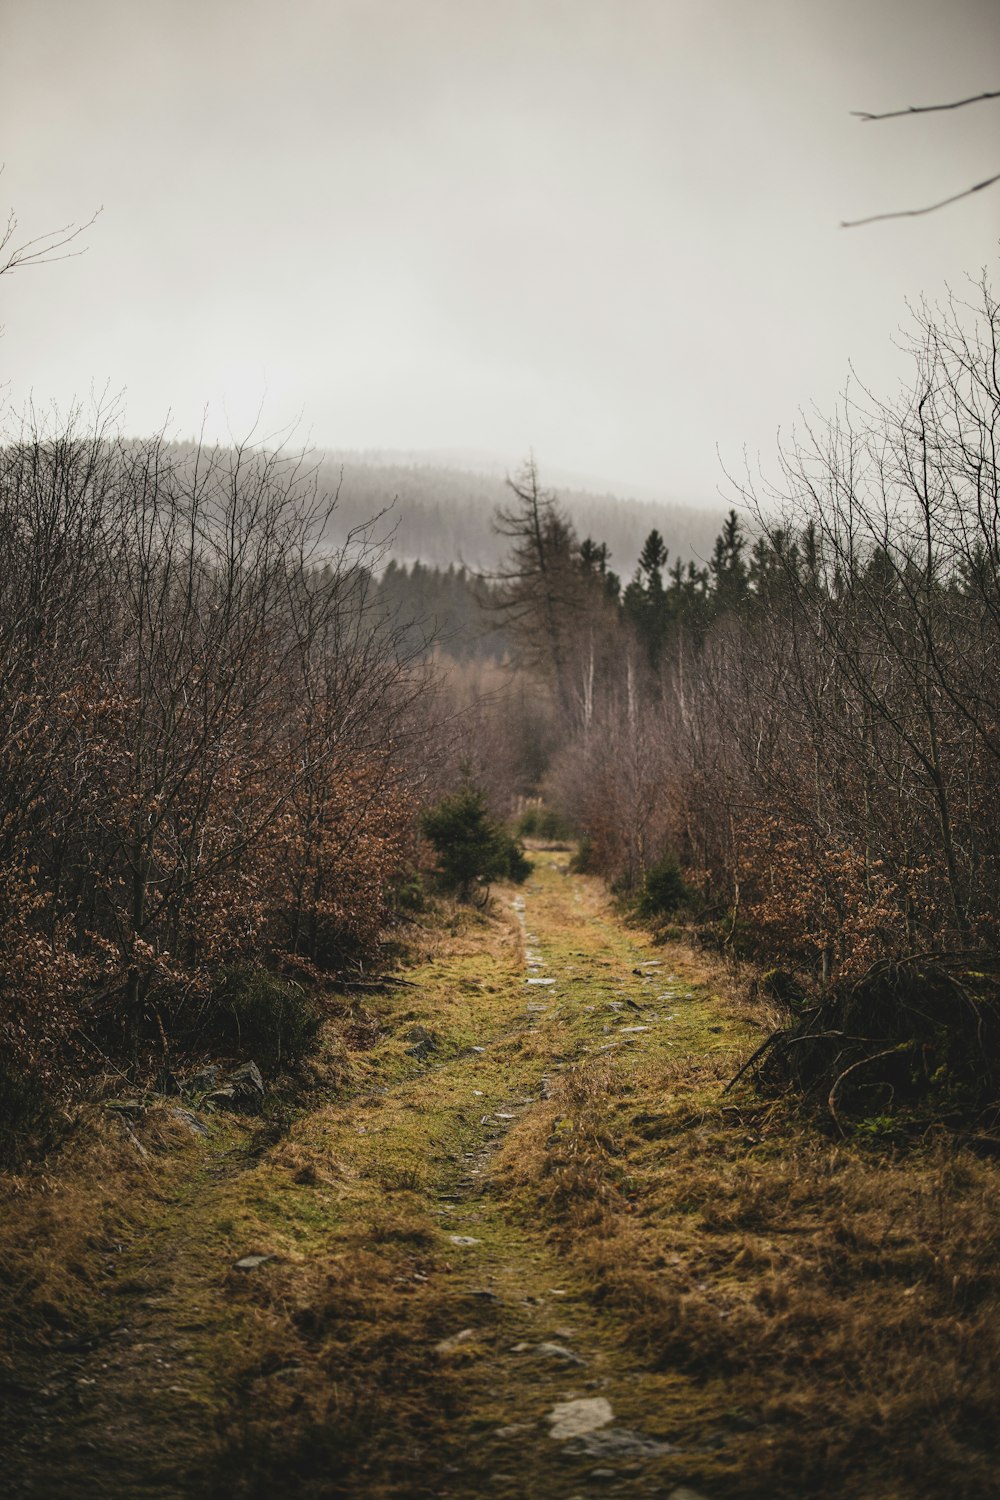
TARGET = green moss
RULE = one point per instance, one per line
(359, 1202)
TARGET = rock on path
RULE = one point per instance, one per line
(573, 1419)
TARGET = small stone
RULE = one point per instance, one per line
(572, 1419)
(619, 1442)
(243, 1090)
(247, 1081)
(682, 1492)
(251, 1262)
(449, 1345)
(559, 1351)
(202, 1081)
(539, 981)
(513, 1430)
(464, 1239)
(185, 1117)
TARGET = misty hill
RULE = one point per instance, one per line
(441, 515)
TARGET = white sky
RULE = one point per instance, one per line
(606, 229)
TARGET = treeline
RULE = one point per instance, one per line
(809, 724)
(440, 514)
(206, 762)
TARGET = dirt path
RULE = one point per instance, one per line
(525, 1249)
(415, 1330)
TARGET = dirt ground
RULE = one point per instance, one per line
(517, 1243)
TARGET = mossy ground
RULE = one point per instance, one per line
(503, 1164)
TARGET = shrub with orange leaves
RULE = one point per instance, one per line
(204, 756)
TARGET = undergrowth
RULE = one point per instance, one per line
(914, 1042)
(255, 1013)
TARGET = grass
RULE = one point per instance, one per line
(842, 1301)
(793, 1314)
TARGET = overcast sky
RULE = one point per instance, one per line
(604, 229)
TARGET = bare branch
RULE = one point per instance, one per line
(923, 109)
(44, 249)
(930, 208)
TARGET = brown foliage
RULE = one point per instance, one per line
(203, 735)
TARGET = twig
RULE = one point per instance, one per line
(41, 251)
(913, 213)
(924, 109)
(862, 1063)
(939, 956)
(990, 1143)
(768, 1042)
(104, 1056)
(382, 982)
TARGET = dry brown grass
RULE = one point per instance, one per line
(848, 1299)
(346, 1354)
(61, 1221)
(799, 1316)
(300, 1369)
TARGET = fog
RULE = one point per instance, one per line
(608, 232)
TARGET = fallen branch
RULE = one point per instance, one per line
(861, 1063)
(765, 1044)
(380, 982)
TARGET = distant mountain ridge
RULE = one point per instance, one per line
(440, 515)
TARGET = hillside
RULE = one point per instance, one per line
(441, 515)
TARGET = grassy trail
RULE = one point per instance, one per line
(496, 1264)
